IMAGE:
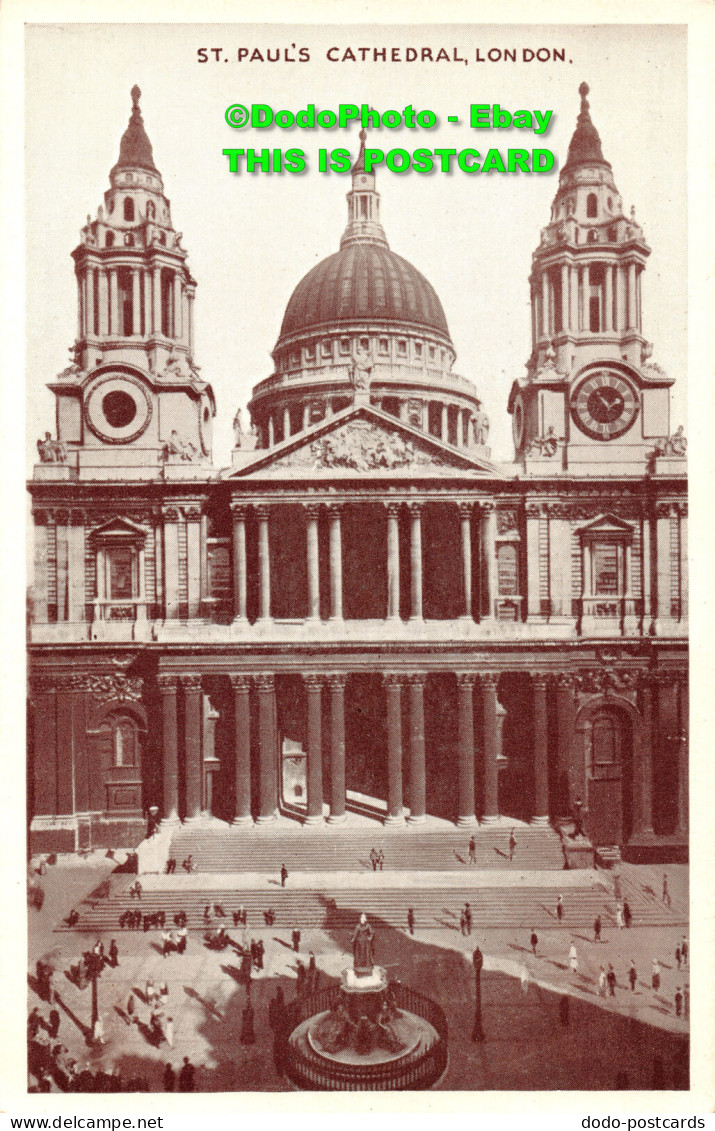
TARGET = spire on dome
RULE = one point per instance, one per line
(135, 149)
(585, 146)
(363, 204)
(359, 166)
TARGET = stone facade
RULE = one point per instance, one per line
(363, 611)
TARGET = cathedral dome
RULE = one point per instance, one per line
(364, 281)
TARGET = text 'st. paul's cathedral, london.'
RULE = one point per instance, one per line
(364, 616)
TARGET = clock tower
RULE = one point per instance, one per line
(591, 401)
(132, 403)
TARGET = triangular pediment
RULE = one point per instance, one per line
(363, 441)
(606, 524)
(119, 528)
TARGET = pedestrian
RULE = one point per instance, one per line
(207, 915)
(113, 954)
(181, 946)
(627, 913)
(130, 1010)
(678, 956)
(632, 975)
(619, 916)
(312, 975)
(655, 975)
(611, 979)
(410, 920)
(150, 993)
(166, 943)
(169, 1032)
(564, 1010)
(163, 993)
(573, 959)
(684, 950)
(512, 844)
(472, 850)
(578, 818)
(559, 908)
(300, 986)
(373, 859)
(260, 951)
(666, 891)
(597, 929)
(284, 875)
(295, 936)
(187, 864)
(187, 1076)
(169, 1078)
(602, 982)
(467, 919)
(138, 889)
(533, 941)
(524, 980)
(54, 1023)
(678, 1002)
(98, 1032)
(462, 922)
(381, 858)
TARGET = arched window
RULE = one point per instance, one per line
(591, 205)
(150, 210)
(125, 742)
(606, 739)
(109, 239)
(128, 208)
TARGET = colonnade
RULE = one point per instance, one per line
(621, 281)
(401, 749)
(333, 511)
(99, 311)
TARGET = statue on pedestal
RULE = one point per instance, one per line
(363, 950)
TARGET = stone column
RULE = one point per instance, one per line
(193, 560)
(395, 814)
(465, 519)
(646, 572)
(489, 536)
(116, 329)
(445, 424)
(620, 298)
(40, 575)
(306, 416)
(533, 570)
(415, 510)
(336, 563)
(190, 316)
(177, 327)
(271, 433)
(75, 566)
(586, 297)
(239, 563)
(662, 547)
(573, 278)
(312, 510)
(89, 309)
(564, 297)
(541, 751)
(608, 300)
(136, 303)
(465, 745)
(418, 789)
(103, 301)
(490, 804)
(191, 685)
(681, 826)
(336, 683)
(157, 326)
(564, 725)
(632, 312)
(313, 687)
(241, 685)
(167, 689)
(171, 516)
(268, 754)
(643, 765)
(545, 304)
(683, 573)
(286, 423)
(264, 564)
(393, 561)
(146, 286)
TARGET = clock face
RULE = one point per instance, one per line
(117, 408)
(604, 405)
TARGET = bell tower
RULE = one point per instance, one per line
(590, 399)
(132, 401)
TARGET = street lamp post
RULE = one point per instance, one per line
(95, 963)
(478, 962)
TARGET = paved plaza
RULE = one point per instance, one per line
(527, 1046)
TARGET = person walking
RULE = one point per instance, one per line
(131, 1017)
(573, 959)
(169, 1078)
(410, 920)
(684, 950)
(512, 845)
(295, 938)
(284, 875)
(169, 1032)
(472, 849)
(373, 859)
(632, 975)
(380, 859)
(183, 936)
(187, 1076)
(602, 982)
(655, 975)
(619, 917)
(678, 1002)
(534, 940)
(678, 956)
(666, 890)
(627, 913)
(150, 993)
(559, 908)
(611, 979)
(311, 976)
(54, 1023)
(462, 922)
(166, 943)
(467, 919)
(597, 929)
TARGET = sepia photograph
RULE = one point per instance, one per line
(357, 557)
